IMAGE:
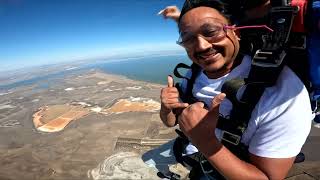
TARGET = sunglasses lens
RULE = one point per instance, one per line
(211, 30)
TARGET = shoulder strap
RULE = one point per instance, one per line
(187, 96)
(195, 73)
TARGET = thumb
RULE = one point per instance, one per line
(215, 103)
(170, 81)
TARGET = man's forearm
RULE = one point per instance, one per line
(229, 165)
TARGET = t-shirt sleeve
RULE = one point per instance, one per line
(283, 124)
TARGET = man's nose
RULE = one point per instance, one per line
(202, 43)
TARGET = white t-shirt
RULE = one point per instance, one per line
(281, 120)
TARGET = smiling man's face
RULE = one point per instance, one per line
(214, 55)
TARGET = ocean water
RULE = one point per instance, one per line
(41, 81)
(149, 68)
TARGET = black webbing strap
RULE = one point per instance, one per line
(233, 127)
(275, 3)
(176, 70)
(187, 96)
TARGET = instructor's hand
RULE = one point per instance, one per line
(171, 12)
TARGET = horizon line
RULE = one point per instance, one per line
(121, 57)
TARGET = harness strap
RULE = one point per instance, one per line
(275, 3)
(195, 72)
(233, 127)
(231, 87)
(266, 67)
(187, 96)
(177, 73)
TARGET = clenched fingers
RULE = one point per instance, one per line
(170, 90)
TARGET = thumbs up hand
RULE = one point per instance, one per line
(170, 97)
(170, 100)
(199, 124)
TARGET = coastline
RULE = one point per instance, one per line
(20, 77)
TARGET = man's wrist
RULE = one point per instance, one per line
(210, 147)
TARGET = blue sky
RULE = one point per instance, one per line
(35, 32)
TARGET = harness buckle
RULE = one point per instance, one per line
(205, 166)
(267, 58)
(231, 138)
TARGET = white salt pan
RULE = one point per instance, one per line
(96, 109)
(7, 106)
(69, 89)
(134, 88)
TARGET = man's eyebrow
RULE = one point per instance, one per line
(216, 20)
(186, 29)
(205, 25)
(185, 32)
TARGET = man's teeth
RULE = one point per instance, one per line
(206, 56)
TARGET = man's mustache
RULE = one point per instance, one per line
(208, 51)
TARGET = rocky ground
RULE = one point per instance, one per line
(113, 141)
